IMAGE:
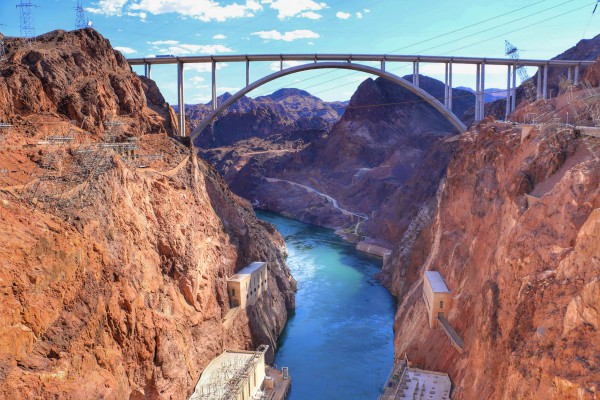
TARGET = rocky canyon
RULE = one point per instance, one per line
(116, 240)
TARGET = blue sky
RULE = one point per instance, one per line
(540, 28)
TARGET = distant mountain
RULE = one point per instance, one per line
(491, 94)
(461, 99)
(284, 112)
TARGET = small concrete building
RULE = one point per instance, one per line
(234, 375)
(247, 285)
(437, 296)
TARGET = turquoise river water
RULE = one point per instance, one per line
(339, 342)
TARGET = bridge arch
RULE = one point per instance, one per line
(457, 123)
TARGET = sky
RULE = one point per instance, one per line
(541, 29)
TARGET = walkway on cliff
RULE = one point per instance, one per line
(313, 190)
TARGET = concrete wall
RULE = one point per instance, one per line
(435, 302)
(245, 289)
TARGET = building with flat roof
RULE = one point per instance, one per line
(242, 375)
(246, 286)
(437, 296)
(406, 382)
(234, 375)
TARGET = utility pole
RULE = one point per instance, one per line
(27, 23)
(80, 22)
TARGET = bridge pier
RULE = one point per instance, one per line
(539, 83)
(415, 73)
(477, 89)
(148, 70)
(247, 72)
(180, 99)
(482, 92)
(545, 89)
(450, 86)
(513, 101)
(576, 79)
(508, 91)
(446, 76)
(570, 74)
(214, 85)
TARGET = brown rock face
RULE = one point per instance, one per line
(78, 75)
(383, 159)
(113, 279)
(515, 234)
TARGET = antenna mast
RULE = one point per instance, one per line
(80, 21)
(27, 23)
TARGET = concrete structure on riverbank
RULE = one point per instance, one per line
(437, 296)
(242, 375)
(247, 285)
(406, 382)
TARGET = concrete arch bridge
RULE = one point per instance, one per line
(353, 62)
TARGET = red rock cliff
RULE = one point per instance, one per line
(515, 234)
(113, 278)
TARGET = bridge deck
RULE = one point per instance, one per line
(353, 57)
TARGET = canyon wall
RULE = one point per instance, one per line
(113, 282)
(514, 231)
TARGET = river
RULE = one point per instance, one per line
(339, 342)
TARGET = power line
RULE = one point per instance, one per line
(467, 27)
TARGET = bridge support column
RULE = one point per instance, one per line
(446, 86)
(576, 79)
(383, 65)
(416, 73)
(477, 90)
(247, 72)
(570, 74)
(545, 89)
(148, 70)
(482, 92)
(450, 86)
(180, 98)
(214, 85)
(508, 93)
(513, 104)
(539, 83)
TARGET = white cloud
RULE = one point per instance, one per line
(295, 8)
(198, 82)
(359, 15)
(342, 15)
(142, 15)
(203, 10)
(366, 10)
(164, 42)
(203, 67)
(310, 15)
(220, 36)
(185, 49)
(229, 89)
(108, 7)
(287, 36)
(125, 50)
(286, 64)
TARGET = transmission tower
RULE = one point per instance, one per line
(530, 90)
(80, 22)
(2, 51)
(27, 23)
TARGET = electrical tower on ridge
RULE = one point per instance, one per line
(80, 21)
(26, 17)
(529, 87)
